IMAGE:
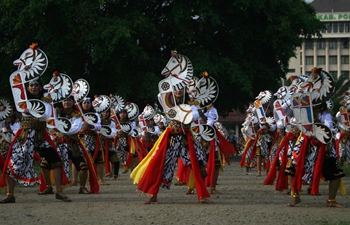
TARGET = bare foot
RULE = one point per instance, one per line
(102, 182)
(215, 192)
(84, 190)
(47, 191)
(335, 204)
(294, 202)
(205, 201)
(152, 199)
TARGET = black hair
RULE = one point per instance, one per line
(181, 100)
(91, 109)
(126, 112)
(41, 93)
(321, 107)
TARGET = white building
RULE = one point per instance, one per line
(331, 52)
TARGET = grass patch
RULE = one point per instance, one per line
(335, 223)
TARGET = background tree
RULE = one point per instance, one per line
(121, 46)
(341, 86)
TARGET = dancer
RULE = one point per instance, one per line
(150, 131)
(88, 134)
(317, 156)
(283, 164)
(343, 136)
(249, 133)
(128, 144)
(10, 123)
(33, 136)
(215, 146)
(157, 169)
(107, 140)
(70, 143)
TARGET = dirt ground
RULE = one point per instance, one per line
(244, 200)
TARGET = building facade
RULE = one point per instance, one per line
(331, 52)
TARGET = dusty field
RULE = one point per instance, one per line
(244, 200)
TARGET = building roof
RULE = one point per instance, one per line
(235, 117)
(331, 5)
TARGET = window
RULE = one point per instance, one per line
(334, 74)
(309, 60)
(335, 27)
(321, 44)
(321, 60)
(344, 59)
(332, 44)
(309, 44)
(332, 59)
(344, 43)
(329, 28)
(341, 27)
(346, 27)
(345, 74)
(291, 70)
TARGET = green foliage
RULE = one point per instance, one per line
(342, 85)
(331, 221)
(121, 46)
(346, 169)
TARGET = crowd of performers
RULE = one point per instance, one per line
(67, 131)
(295, 138)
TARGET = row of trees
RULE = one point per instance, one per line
(120, 46)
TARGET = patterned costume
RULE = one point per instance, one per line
(259, 128)
(129, 148)
(284, 159)
(343, 136)
(314, 155)
(110, 152)
(220, 149)
(320, 160)
(10, 124)
(70, 144)
(150, 130)
(157, 168)
(31, 137)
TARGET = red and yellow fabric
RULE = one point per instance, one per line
(148, 174)
(135, 146)
(248, 144)
(94, 186)
(7, 163)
